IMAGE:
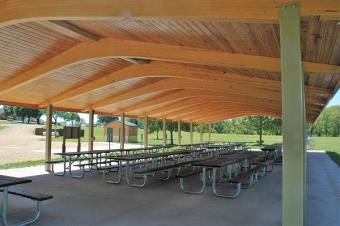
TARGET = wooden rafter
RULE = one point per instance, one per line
(15, 11)
(175, 84)
(129, 49)
(182, 107)
(209, 117)
(161, 69)
(70, 30)
(230, 115)
(179, 95)
(213, 107)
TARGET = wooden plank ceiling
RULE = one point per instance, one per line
(189, 68)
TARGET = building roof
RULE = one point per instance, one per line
(200, 61)
(127, 123)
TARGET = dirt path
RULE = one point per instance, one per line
(15, 142)
(18, 143)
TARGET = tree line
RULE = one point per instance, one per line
(327, 124)
(27, 114)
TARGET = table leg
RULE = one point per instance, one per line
(4, 206)
(69, 165)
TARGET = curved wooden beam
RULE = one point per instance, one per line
(16, 11)
(225, 116)
(133, 49)
(179, 95)
(209, 110)
(161, 69)
(176, 84)
(209, 117)
(180, 108)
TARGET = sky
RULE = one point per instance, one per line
(335, 100)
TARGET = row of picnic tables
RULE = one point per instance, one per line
(207, 158)
(102, 157)
(143, 162)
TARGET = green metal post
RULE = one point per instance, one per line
(122, 132)
(209, 132)
(146, 129)
(191, 134)
(179, 132)
(294, 117)
(164, 132)
(201, 134)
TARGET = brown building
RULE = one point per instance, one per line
(130, 130)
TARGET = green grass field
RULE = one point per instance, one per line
(330, 144)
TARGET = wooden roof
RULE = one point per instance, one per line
(200, 61)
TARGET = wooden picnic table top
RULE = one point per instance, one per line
(226, 160)
(216, 163)
(152, 155)
(74, 153)
(6, 181)
(222, 146)
(269, 148)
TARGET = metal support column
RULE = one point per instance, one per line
(164, 132)
(91, 137)
(179, 132)
(201, 133)
(48, 145)
(209, 132)
(146, 129)
(191, 135)
(122, 132)
(293, 118)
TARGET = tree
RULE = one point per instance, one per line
(36, 113)
(9, 111)
(72, 117)
(155, 126)
(103, 119)
(23, 113)
(170, 126)
(258, 123)
(328, 122)
(55, 116)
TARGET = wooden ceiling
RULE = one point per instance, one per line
(200, 61)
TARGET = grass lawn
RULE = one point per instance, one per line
(330, 144)
(8, 122)
(2, 127)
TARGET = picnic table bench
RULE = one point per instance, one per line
(6, 188)
(222, 163)
(154, 159)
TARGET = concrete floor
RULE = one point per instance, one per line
(91, 201)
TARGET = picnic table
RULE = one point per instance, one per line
(95, 158)
(225, 165)
(153, 159)
(5, 183)
(270, 151)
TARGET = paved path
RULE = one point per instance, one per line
(163, 203)
(323, 190)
